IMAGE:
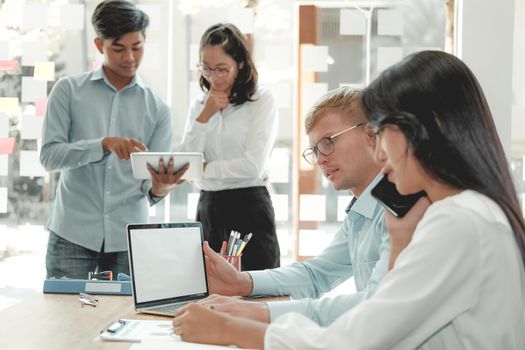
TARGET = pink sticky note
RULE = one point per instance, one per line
(41, 105)
(7, 66)
(7, 145)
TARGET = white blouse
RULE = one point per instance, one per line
(459, 284)
(236, 141)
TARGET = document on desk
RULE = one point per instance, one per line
(175, 344)
(152, 334)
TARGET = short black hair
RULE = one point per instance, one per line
(234, 43)
(116, 18)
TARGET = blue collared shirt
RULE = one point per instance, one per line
(97, 195)
(360, 248)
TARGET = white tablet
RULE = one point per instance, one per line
(140, 159)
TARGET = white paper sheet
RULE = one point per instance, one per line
(279, 165)
(387, 56)
(283, 237)
(44, 70)
(173, 344)
(30, 164)
(33, 89)
(9, 105)
(31, 127)
(242, 18)
(312, 207)
(33, 51)
(280, 206)
(3, 199)
(352, 22)
(310, 93)
(389, 22)
(34, 16)
(4, 50)
(314, 58)
(72, 16)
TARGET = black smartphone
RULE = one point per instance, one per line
(385, 192)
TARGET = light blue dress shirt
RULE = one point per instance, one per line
(97, 195)
(360, 248)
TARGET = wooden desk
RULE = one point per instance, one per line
(57, 321)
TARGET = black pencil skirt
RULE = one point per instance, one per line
(244, 210)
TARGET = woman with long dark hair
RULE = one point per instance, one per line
(234, 124)
(457, 278)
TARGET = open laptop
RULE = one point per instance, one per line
(167, 266)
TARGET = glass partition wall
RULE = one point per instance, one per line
(301, 48)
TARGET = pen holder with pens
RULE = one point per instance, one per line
(234, 260)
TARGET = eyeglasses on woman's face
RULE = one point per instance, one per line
(220, 72)
(325, 146)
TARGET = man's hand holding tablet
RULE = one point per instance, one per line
(167, 165)
(165, 178)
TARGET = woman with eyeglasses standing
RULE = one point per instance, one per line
(235, 125)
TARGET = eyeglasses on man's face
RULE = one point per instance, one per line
(324, 146)
(220, 72)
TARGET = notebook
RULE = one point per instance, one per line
(167, 266)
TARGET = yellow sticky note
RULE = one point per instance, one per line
(9, 104)
(44, 70)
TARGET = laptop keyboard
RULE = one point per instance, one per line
(170, 307)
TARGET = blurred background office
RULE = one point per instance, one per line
(301, 49)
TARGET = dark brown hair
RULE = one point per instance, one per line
(233, 42)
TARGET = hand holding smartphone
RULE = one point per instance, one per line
(385, 192)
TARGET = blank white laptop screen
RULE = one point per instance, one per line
(166, 262)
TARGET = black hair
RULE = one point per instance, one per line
(112, 19)
(233, 42)
(437, 102)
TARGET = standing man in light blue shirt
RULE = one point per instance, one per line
(342, 145)
(94, 121)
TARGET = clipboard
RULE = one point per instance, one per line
(135, 331)
(75, 286)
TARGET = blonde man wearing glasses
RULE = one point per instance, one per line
(341, 144)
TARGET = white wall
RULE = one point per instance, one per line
(485, 43)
